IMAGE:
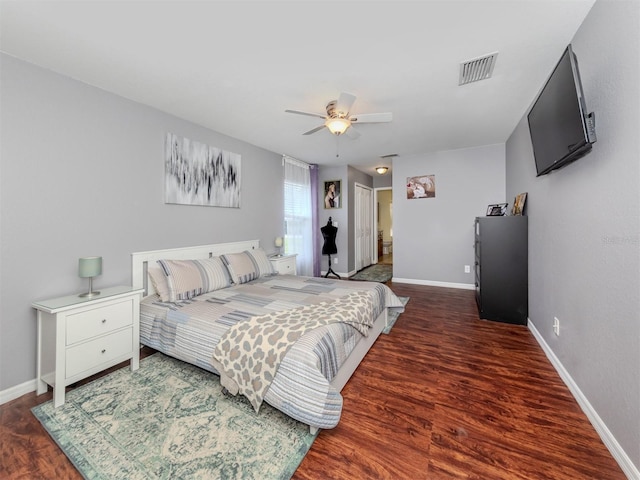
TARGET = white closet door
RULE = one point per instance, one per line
(363, 216)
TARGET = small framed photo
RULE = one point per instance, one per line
(518, 204)
(497, 210)
(332, 198)
(422, 186)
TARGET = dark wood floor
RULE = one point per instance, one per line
(444, 396)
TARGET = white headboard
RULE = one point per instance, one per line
(140, 260)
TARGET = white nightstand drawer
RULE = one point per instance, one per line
(98, 321)
(284, 265)
(287, 268)
(79, 336)
(88, 355)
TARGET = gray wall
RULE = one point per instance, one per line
(82, 174)
(338, 215)
(433, 237)
(381, 181)
(584, 229)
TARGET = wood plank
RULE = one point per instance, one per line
(445, 395)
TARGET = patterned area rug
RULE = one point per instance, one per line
(393, 315)
(170, 420)
(375, 273)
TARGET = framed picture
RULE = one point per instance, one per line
(332, 198)
(422, 186)
(497, 210)
(518, 204)
(199, 174)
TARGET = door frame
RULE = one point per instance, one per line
(375, 219)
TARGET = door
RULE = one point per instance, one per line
(363, 221)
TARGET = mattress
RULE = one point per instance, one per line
(189, 330)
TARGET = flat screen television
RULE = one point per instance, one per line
(561, 129)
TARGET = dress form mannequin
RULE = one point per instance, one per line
(329, 233)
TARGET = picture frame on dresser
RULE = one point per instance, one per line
(497, 210)
(519, 204)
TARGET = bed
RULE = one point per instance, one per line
(193, 326)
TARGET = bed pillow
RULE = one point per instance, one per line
(159, 282)
(242, 267)
(189, 278)
(265, 267)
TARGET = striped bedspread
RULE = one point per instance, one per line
(190, 330)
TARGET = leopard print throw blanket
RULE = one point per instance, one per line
(249, 353)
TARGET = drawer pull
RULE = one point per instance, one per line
(104, 350)
(104, 320)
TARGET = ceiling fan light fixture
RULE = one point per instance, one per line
(382, 170)
(337, 126)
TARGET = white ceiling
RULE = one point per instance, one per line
(234, 67)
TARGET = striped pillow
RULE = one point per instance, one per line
(265, 268)
(190, 278)
(242, 267)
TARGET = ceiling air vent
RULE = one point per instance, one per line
(477, 69)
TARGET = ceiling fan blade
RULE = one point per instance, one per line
(352, 133)
(297, 112)
(371, 118)
(344, 103)
(317, 129)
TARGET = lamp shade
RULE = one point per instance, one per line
(89, 267)
(278, 242)
(337, 126)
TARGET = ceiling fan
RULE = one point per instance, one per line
(339, 120)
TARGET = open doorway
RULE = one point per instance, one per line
(384, 225)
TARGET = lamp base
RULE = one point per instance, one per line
(89, 294)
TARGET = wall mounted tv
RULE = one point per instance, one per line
(561, 130)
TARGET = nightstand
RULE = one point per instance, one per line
(80, 336)
(284, 264)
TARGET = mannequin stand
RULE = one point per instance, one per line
(330, 271)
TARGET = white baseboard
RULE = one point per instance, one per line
(17, 391)
(464, 286)
(627, 466)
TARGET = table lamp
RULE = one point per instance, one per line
(89, 267)
(279, 242)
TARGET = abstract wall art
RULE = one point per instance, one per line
(198, 174)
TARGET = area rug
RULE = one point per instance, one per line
(169, 420)
(375, 273)
(393, 315)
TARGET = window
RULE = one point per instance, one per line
(298, 237)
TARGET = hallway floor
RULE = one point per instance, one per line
(386, 259)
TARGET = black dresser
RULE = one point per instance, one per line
(501, 268)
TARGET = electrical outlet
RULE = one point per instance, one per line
(335, 224)
(467, 269)
(335, 261)
(556, 326)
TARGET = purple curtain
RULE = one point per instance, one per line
(313, 172)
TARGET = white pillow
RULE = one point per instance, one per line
(159, 282)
